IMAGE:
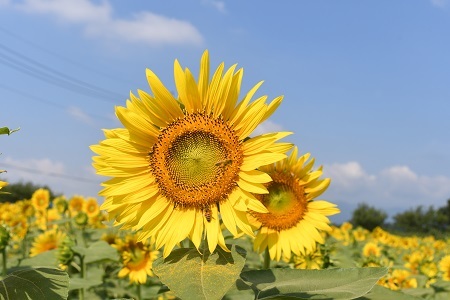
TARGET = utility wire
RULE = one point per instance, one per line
(36, 73)
(46, 102)
(60, 74)
(61, 57)
(59, 175)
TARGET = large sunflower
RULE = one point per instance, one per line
(180, 161)
(294, 218)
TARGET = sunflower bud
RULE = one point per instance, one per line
(81, 219)
(4, 237)
(65, 252)
(61, 204)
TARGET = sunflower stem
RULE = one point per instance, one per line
(266, 259)
(83, 275)
(4, 261)
(138, 291)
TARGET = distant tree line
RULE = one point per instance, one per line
(419, 220)
(21, 190)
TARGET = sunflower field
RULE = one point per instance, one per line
(196, 207)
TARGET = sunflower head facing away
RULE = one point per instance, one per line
(295, 217)
(180, 162)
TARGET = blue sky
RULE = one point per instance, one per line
(366, 84)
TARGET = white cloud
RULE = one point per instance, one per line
(78, 114)
(266, 127)
(219, 5)
(439, 3)
(98, 21)
(31, 169)
(396, 187)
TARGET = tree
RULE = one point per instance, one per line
(421, 221)
(20, 190)
(368, 217)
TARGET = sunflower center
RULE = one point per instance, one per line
(195, 157)
(196, 161)
(286, 202)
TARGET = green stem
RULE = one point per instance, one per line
(4, 261)
(83, 275)
(138, 291)
(266, 259)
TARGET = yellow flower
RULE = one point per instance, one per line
(76, 204)
(180, 161)
(137, 260)
(371, 249)
(444, 267)
(310, 260)
(91, 207)
(294, 218)
(46, 241)
(429, 268)
(3, 184)
(40, 199)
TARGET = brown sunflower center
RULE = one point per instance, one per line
(196, 161)
(286, 202)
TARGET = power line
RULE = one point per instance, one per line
(46, 102)
(59, 175)
(61, 57)
(52, 79)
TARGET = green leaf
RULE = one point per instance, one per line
(191, 275)
(39, 283)
(94, 274)
(98, 251)
(44, 259)
(6, 130)
(313, 284)
(382, 293)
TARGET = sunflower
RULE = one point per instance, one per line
(40, 199)
(371, 249)
(76, 204)
(311, 260)
(46, 241)
(179, 162)
(294, 218)
(91, 207)
(137, 259)
(444, 267)
(3, 184)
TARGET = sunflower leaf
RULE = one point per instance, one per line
(379, 292)
(6, 130)
(191, 275)
(313, 284)
(39, 283)
(98, 251)
(47, 259)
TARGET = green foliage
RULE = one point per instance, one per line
(421, 221)
(313, 284)
(193, 275)
(22, 190)
(368, 217)
(39, 283)
(6, 130)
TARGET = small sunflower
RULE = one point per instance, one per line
(46, 241)
(40, 199)
(295, 217)
(137, 259)
(91, 207)
(76, 204)
(3, 184)
(311, 260)
(180, 161)
(444, 267)
(371, 250)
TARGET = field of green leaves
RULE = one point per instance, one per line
(74, 252)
